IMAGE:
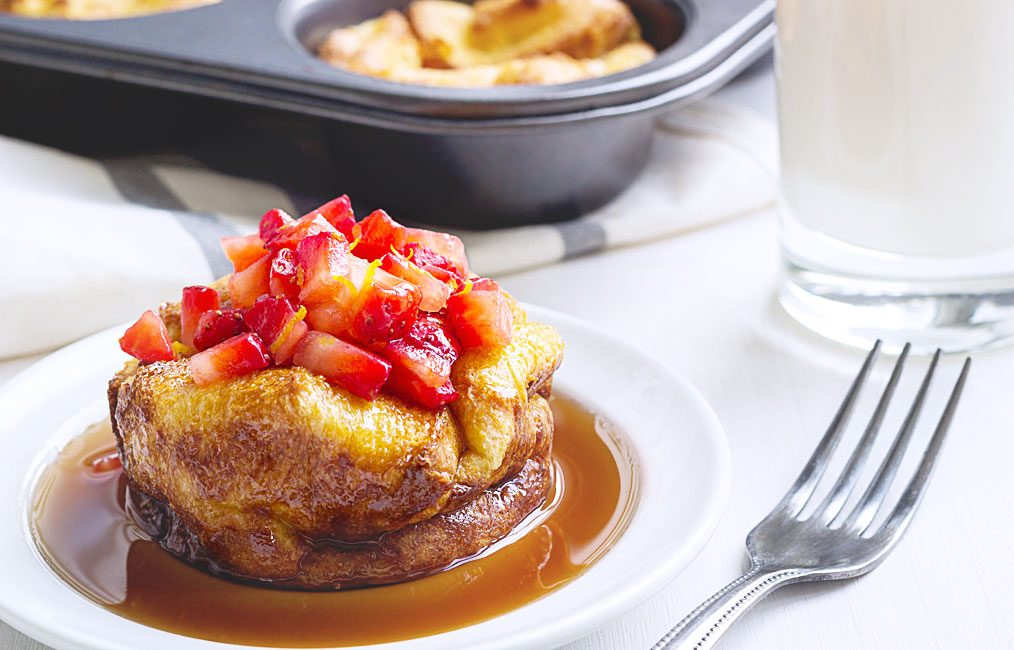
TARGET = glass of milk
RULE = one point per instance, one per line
(897, 150)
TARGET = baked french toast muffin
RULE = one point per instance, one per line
(350, 407)
(492, 42)
(95, 9)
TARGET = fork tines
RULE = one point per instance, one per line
(831, 509)
(836, 541)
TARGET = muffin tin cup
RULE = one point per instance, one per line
(477, 158)
(501, 173)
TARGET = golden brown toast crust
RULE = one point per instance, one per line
(284, 442)
(407, 553)
(281, 476)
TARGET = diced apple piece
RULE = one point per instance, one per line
(358, 371)
(148, 339)
(235, 357)
(243, 251)
(434, 292)
(246, 286)
(196, 301)
(213, 327)
(480, 318)
(338, 213)
(283, 279)
(323, 259)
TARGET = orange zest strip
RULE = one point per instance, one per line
(348, 283)
(287, 330)
(182, 349)
(371, 270)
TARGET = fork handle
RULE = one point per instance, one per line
(702, 628)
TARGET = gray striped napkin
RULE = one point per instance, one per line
(92, 242)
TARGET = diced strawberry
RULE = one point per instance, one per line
(484, 284)
(196, 301)
(331, 317)
(338, 213)
(426, 352)
(385, 314)
(216, 326)
(434, 292)
(335, 315)
(449, 278)
(358, 371)
(283, 279)
(251, 283)
(423, 257)
(285, 346)
(480, 317)
(148, 339)
(363, 274)
(289, 235)
(271, 221)
(447, 246)
(278, 324)
(377, 235)
(235, 357)
(268, 317)
(404, 385)
(323, 259)
(385, 306)
(243, 251)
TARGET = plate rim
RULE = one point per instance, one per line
(578, 623)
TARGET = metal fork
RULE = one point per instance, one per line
(833, 543)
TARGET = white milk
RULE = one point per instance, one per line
(897, 122)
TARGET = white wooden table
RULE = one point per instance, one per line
(704, 303)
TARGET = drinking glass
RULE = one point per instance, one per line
(897, 181)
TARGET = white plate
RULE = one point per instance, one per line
(675, 438)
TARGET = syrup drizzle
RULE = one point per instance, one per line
(85, 535)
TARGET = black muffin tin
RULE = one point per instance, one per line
(477, 158)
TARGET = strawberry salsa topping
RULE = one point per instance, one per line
(370, 306)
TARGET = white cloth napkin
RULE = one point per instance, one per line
(89, 243)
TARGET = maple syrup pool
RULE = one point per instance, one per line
(85, 535)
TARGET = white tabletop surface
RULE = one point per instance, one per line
(704, 303)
